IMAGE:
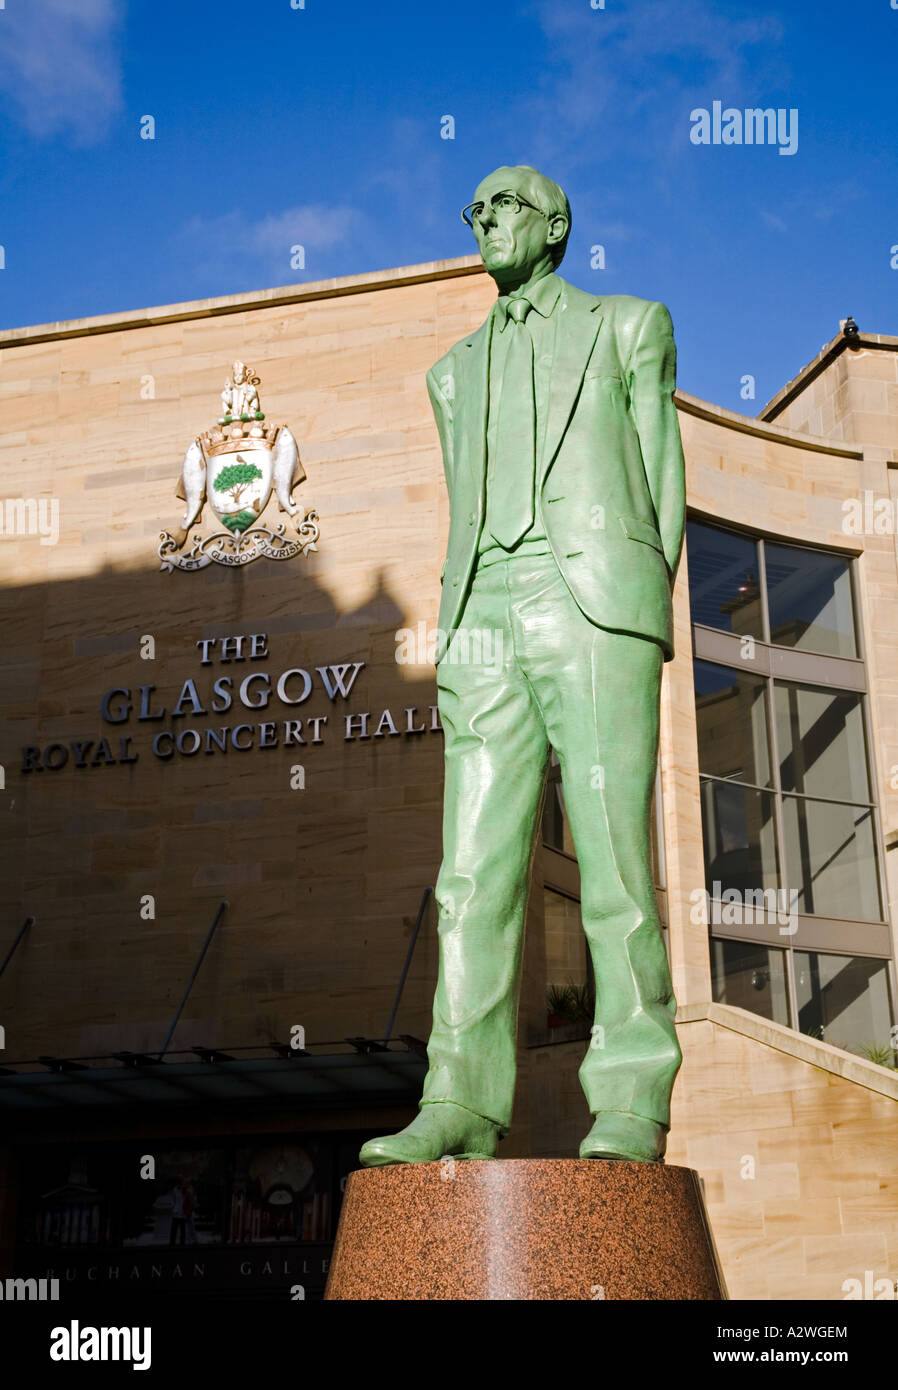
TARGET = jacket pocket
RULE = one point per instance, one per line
(638, 530)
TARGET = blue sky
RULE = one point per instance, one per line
(322, 126)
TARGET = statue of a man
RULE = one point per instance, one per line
(564, 466)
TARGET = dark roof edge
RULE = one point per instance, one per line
(827, 354)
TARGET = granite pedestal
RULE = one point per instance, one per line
(524, 1229)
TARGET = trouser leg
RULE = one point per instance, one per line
(495, 758)
(598, 692)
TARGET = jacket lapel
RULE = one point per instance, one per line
(476, 367)
(575, 336)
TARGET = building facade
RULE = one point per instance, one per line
(223, 788)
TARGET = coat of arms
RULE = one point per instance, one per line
(234, 467)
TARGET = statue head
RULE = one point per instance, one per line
(521, 221)
(239, 373)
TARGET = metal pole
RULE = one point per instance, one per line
(408, 961)
(29, 921)
(222, 909)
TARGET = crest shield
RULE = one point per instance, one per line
(236, 466)
(238, 483)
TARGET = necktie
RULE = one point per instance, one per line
(513, 468)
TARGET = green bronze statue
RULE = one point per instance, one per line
(565, 472)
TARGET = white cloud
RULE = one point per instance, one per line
(60, 67)
(235, 244)
(621, 82)
(770, 219)
(315, 225)
(819, 204)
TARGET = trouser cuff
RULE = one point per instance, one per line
(448, 1100)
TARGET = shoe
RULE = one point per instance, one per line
(440, 1129)
(616, 1134)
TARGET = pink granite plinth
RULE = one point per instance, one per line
(524, 1229)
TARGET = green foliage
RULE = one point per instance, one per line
(570, 1002)
(236, 476)
(880, 1053)
(558, 999)
(240, 521)
(883, 1054)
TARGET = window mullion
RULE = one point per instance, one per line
(762, 584)
(780, 827)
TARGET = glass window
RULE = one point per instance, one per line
(750, 977)
(820, 738)
(831, 858)
(788, 807)
(809, 599)
(731, 714)
(565, 941)
(556, 830)
(570, 988)
(723, 580)
(739, 838)
(844, 1000)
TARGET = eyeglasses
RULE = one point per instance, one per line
(510, 203)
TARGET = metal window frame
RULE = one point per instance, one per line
(823, 935)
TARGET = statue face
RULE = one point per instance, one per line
(239, 373)
(511, 244)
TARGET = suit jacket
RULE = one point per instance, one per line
(610, 479)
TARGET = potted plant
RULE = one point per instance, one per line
(883, 1054)
(559, 1005)
(568, 1003)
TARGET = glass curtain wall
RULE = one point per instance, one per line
(789, 817)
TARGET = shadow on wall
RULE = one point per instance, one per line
(298, 776)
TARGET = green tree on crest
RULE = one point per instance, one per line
(236, 478)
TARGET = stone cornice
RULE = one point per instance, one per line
(748, 424)
(240, 303)
(811, 1050)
